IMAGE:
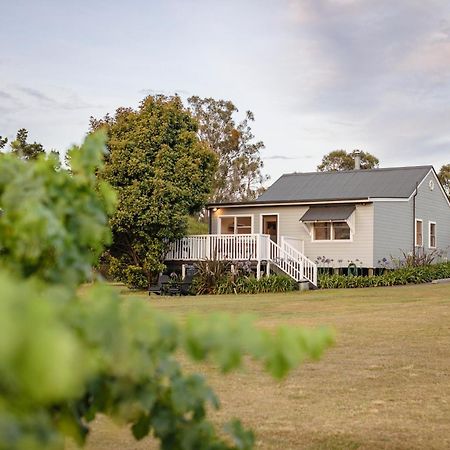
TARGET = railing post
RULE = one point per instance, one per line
(208, 246)
(258, 248)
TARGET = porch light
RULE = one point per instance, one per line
(214, 209)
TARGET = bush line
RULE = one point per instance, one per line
(402, 276)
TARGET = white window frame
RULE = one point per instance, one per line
(415, 233)
(430, 222)
(219, 222)
(313, 239)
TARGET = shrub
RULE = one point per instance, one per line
(404, 275)
(251, 285)
(209, 274)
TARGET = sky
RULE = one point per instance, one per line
(318, 75)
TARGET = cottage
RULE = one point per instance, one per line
(332, 219)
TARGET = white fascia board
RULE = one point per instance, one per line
(388, 199)
(260, 205)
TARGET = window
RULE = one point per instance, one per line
(243, 225)
(432, 234)
(341, 231)
(327, 231)
(419, 233)
(235, 224)
(322, 231)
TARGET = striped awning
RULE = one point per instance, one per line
(328, 213)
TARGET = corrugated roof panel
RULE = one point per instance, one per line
(355, 184)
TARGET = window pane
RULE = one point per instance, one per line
(341, 230)
(432, 235)
(227, 225)
(244, 225)
(419, 233)
(322, 231)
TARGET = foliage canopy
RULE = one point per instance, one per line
(162, 174)
(239, 174)
(24, 149)
(343, 160)
(64, 359)
(444, 177)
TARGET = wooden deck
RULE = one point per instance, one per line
(257, 248)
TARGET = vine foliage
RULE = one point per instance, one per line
(70, 352)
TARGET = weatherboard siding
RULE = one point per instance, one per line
(431, 205)
(393, 230)
(289, 225)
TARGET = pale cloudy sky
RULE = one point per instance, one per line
(318, 74)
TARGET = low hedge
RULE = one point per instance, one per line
(251, 285)
(404, 275)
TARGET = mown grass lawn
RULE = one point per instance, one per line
(384, 385)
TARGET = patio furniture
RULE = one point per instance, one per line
(160, 288)
(181, 287)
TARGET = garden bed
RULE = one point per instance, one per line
(401, 276)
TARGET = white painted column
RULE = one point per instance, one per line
(258, 270)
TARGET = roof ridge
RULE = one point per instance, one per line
(379, 169)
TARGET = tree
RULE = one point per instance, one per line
(444, 177)
(65, 359)
(23, 149)
(162, 174)
(3, 142)
(239, 175)
(338, 160)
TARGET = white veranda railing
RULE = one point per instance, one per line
(242, 247)
(223, 247)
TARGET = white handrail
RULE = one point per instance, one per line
(240, 247)
(307, 268)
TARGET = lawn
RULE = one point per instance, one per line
(385, 384)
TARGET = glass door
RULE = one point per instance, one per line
(270, 226)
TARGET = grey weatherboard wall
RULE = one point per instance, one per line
(394, 222)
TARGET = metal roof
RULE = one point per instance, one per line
(327, 213)
(396, 182)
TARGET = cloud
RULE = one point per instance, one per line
(4, 95)
(38, 95)
(371, 74)
(282, 157)
(181, 92)
(53, 97)
(358, 50)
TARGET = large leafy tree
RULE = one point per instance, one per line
(342, 160)
(24, 149)
(3, 142)
(239, 175)
(64, 360)
(162, 173)
(444, 177)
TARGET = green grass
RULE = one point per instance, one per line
(385, 384)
